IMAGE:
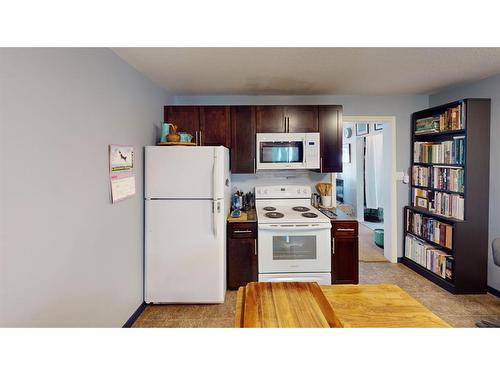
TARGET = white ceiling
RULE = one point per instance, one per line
(311, 71)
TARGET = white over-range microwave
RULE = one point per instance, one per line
(287, 151)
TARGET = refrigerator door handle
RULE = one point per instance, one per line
(214, 194)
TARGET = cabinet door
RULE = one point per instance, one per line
(330, 128)
(243, 139)
(345, 260)
(241, 262)
(215, 128)
(186, 118)
(270, 119)
(301, 118)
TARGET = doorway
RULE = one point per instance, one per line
(370, 154)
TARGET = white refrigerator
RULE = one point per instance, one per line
(187, 199)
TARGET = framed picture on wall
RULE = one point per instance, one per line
(346, 153)
(378, 126)
(362, 128)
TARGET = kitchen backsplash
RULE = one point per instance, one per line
(247, 182)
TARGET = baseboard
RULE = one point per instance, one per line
(493, 291)
(135, 315)
(399, 259)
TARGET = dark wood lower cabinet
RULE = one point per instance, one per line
(345, 252)
(242, 266)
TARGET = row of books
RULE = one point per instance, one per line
(429, 257)
(451, 119)
(446, 152)
(439, 177)
(446, 204)
(420, 175)
(429, 228)
(446, 178)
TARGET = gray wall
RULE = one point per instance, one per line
(487, 88)
(399, 106)
(68, 257)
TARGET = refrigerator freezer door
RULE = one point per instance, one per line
(184, 260)
(183, 172)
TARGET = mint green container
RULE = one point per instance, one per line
(165, 129)
(378, 237)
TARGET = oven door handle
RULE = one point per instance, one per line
(294, 227)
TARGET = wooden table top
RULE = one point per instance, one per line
(294, 305)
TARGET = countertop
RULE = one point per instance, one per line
(246, 217)
(367, 306)
(341, 215)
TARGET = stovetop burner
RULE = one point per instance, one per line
(309, 214)
(301, 209)
(274, 215)
(269, 208)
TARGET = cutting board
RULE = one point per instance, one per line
(286, 305)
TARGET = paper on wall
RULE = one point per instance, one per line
(122, 186)
(121, 172)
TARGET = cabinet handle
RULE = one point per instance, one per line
(345, 230)
(255, 247)
(242, 231)
(333, 246)
(288, 124)
(321, 165)
(200, 138)
(254, 165)
(196, 137)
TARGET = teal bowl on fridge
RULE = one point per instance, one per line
(185, 137)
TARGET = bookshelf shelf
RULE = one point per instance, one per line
(443, 283)
(423, 211)
(439, 164)
(449, 132)
(440, 247)
(464, 133)
(436, 189)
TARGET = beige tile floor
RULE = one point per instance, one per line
(457, 310)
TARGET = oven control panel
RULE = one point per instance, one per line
(283, 191)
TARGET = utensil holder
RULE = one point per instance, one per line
(326, 201)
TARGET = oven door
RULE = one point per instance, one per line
(281, 151)
(294, 248)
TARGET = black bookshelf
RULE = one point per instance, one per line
(470, 235)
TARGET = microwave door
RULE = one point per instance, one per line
(281, 155)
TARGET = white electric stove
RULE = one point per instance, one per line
(294, 237)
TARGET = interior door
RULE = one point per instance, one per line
(301, 118)
(270, 119)
(215, 127)
(184, 258)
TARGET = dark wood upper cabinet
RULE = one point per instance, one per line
(186, 118)
(270, 119)
(330, 128)
(215, 126)
(301, 118)
(243, 139)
